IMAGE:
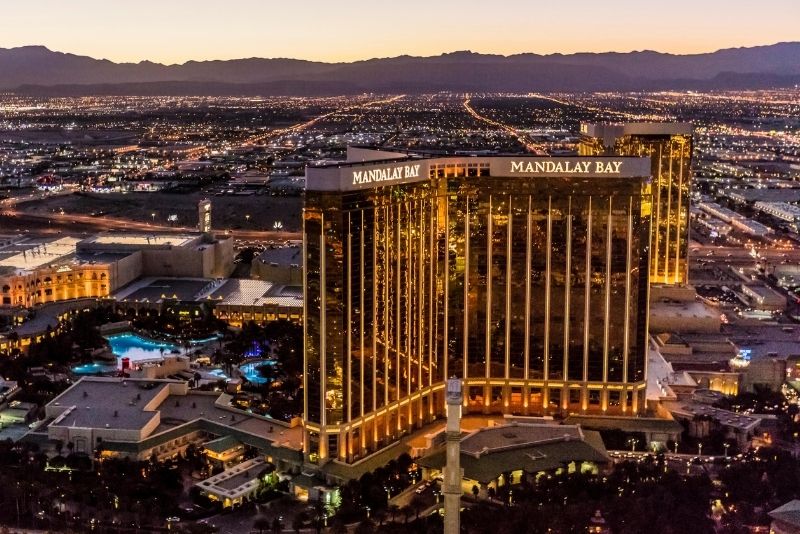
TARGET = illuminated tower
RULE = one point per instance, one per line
(451, 486)
(204, 215)
(525, 277)
(669, 147)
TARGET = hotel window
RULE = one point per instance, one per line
(594, 397)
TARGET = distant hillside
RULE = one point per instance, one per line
(37, 70)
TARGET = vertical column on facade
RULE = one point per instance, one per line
(655, 230)
(607, 314)
(348, 352)
(587, 325)
(421, 288)
(527, 345)
(407, 348)
(548, 259)
(392, 430)
(681, 245)
(323, 372)
(567, 303)
(433, 321)
(509, 232)
(465, 349)
(388, 232)
(487, 389)
(363, 410)
(376, 227)
(445, 359)
(668, 218)
(306, 444)
(628, 268)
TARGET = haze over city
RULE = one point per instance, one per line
(176, 32)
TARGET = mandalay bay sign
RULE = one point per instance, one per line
(557, 166)
(386, 174)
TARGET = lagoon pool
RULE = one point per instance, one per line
(93, 368)
(138, 348)
(250, 371)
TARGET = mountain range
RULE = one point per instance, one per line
(36, 70)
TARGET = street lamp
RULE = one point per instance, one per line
(153, 215)
(699, 449)
(726, 445)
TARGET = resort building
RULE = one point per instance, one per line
(40, 271)
(526, 277)
(495, 456)
(142, 418)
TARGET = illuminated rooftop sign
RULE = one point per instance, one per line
(355, 176)
(386, 174)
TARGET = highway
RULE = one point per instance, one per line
(529, 146)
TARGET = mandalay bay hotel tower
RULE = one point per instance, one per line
(527, 277)
(669, 147)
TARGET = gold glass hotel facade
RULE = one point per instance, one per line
(669, 147)
(524, 276)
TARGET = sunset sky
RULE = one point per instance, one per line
(174, 31)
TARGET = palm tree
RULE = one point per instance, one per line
(262, 524)
(298, 521)
(393, 509)
(417, 504)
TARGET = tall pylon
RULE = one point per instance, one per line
(453, 474)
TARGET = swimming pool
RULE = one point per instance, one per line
(251, 373)
(93, 368)
(127, 345)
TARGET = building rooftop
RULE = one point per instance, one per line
(153, 289)
(109, 403)
(788, 514)
(744, 423)
(507, 437)
(282, 256)
(141, 240)
(222, 444)
(531, 448)
(236, 481)
(130, 404)
(238, 292)
(31, 254)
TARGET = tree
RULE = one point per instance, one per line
(365, 527)
(417, 504)
(475, 491)
(393, 510)
(298, 521)
(198, 528)
(262, 524)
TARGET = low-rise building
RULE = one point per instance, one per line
(144, 418)
(495, 456)
(279, 265)
(786, 518)
(238, 484)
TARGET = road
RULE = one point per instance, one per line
(70, 223)
(521, 137)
